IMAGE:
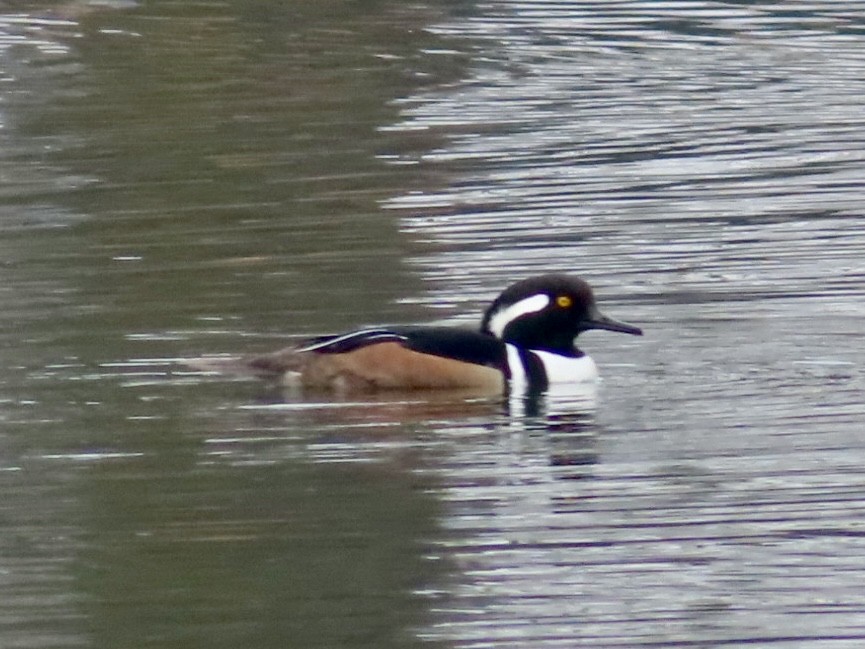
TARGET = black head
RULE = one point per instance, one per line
(548, 312)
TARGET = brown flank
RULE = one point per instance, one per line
(383, 366)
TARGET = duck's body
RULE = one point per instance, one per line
(394, 361)
(526, 341)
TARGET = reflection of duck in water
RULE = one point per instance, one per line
(525, 343)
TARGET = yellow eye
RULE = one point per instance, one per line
(564, 301)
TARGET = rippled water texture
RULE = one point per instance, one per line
(198, 178)
(703, 163)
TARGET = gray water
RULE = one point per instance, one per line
(180, 179)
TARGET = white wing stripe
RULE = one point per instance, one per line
(364, 335)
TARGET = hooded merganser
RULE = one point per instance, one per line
(526, 342)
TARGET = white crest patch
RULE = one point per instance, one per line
(504, 317)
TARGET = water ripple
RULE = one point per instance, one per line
(643, 141)
(701, 163)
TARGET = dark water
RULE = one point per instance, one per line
(186, 178)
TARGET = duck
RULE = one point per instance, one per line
(525, 342)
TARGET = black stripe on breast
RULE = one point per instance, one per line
(536, 373)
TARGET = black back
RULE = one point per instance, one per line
(448, 342)
(459, 344)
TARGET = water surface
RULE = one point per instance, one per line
(189, 178)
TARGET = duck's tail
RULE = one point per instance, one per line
(272, 366)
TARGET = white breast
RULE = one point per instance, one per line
(559, 369)
(563, 369)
